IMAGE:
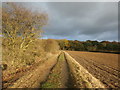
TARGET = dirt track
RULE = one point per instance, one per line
(67, 73)
(59, 75)
(102, 66)
(84, 70)
(31, 77)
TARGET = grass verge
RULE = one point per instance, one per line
(54, 78)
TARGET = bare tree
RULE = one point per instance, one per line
(21, 28)
(20, 22)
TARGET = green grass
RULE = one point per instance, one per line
(49, 85)
(55, 75)
(61, 57)
(53, 80)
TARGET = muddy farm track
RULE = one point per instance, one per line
(68, 74)
(68, 69)
(105, 71)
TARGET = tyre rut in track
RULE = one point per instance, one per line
(9, 79)
(59, 76)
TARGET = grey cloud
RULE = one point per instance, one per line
(81, 20)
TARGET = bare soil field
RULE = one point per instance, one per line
(103, 66)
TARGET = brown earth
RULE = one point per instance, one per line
(103, 66)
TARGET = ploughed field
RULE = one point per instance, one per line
(103, 66)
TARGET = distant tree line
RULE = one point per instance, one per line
(88, 45)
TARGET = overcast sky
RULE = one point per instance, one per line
(80, 20)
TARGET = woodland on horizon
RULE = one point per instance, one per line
(89, 45)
